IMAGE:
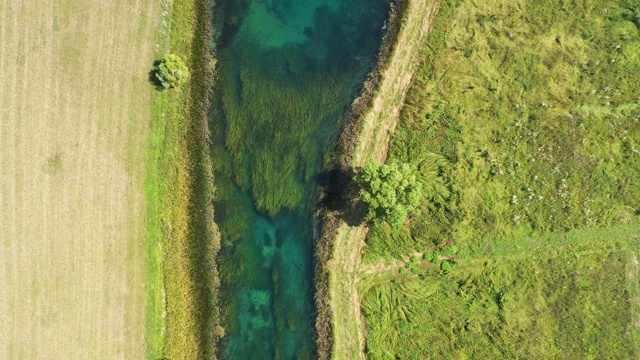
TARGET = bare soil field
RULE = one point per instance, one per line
(74, 110)
(373, 141)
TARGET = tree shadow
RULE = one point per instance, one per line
(153, 76)
(341, 194)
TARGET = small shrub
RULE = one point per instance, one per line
(446, 266)
(429, 257)
(450, 250)
(170, 72)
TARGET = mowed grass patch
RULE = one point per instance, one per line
(181, 312)
(570, 295)
(535, 107)
(73, 139)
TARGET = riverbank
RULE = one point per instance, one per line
(374, 116)
(182, 316)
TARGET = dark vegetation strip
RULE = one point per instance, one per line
(205, 239)
(182, 313)
(332, 193)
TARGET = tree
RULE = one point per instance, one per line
(391, 191)
(170, 72)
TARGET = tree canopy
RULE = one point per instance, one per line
(171, 72)
(391, 191)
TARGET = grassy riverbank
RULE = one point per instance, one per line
(339, 324)
(535, 117)
(182, 315)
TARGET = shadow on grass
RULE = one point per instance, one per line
(341, 194)
(153, 76)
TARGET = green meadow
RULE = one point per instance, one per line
(563, 296)
(525, 119)
(535, 109)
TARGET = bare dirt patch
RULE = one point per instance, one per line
(385, 266)
(74, 110)
(373, 141)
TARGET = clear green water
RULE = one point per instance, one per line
(288, 71)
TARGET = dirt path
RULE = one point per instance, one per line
(383, 118)
(74, 108)
(382, 267)
(380, 122)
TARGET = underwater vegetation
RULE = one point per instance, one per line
(288, 71)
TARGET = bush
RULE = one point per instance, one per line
(446, 266)
(391, 191)
(450, 250)
(170, 72)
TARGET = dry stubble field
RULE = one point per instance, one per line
(74, 110)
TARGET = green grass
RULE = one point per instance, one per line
(182, 242)
(155, 285)
(155, 185)
(569, 295)
(535, 109)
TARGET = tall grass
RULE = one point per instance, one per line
(262, 110)
(182, 244)
(535, 106)
(571, 295)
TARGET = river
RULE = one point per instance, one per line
(288, 71)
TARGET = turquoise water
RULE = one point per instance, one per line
(288, 71)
